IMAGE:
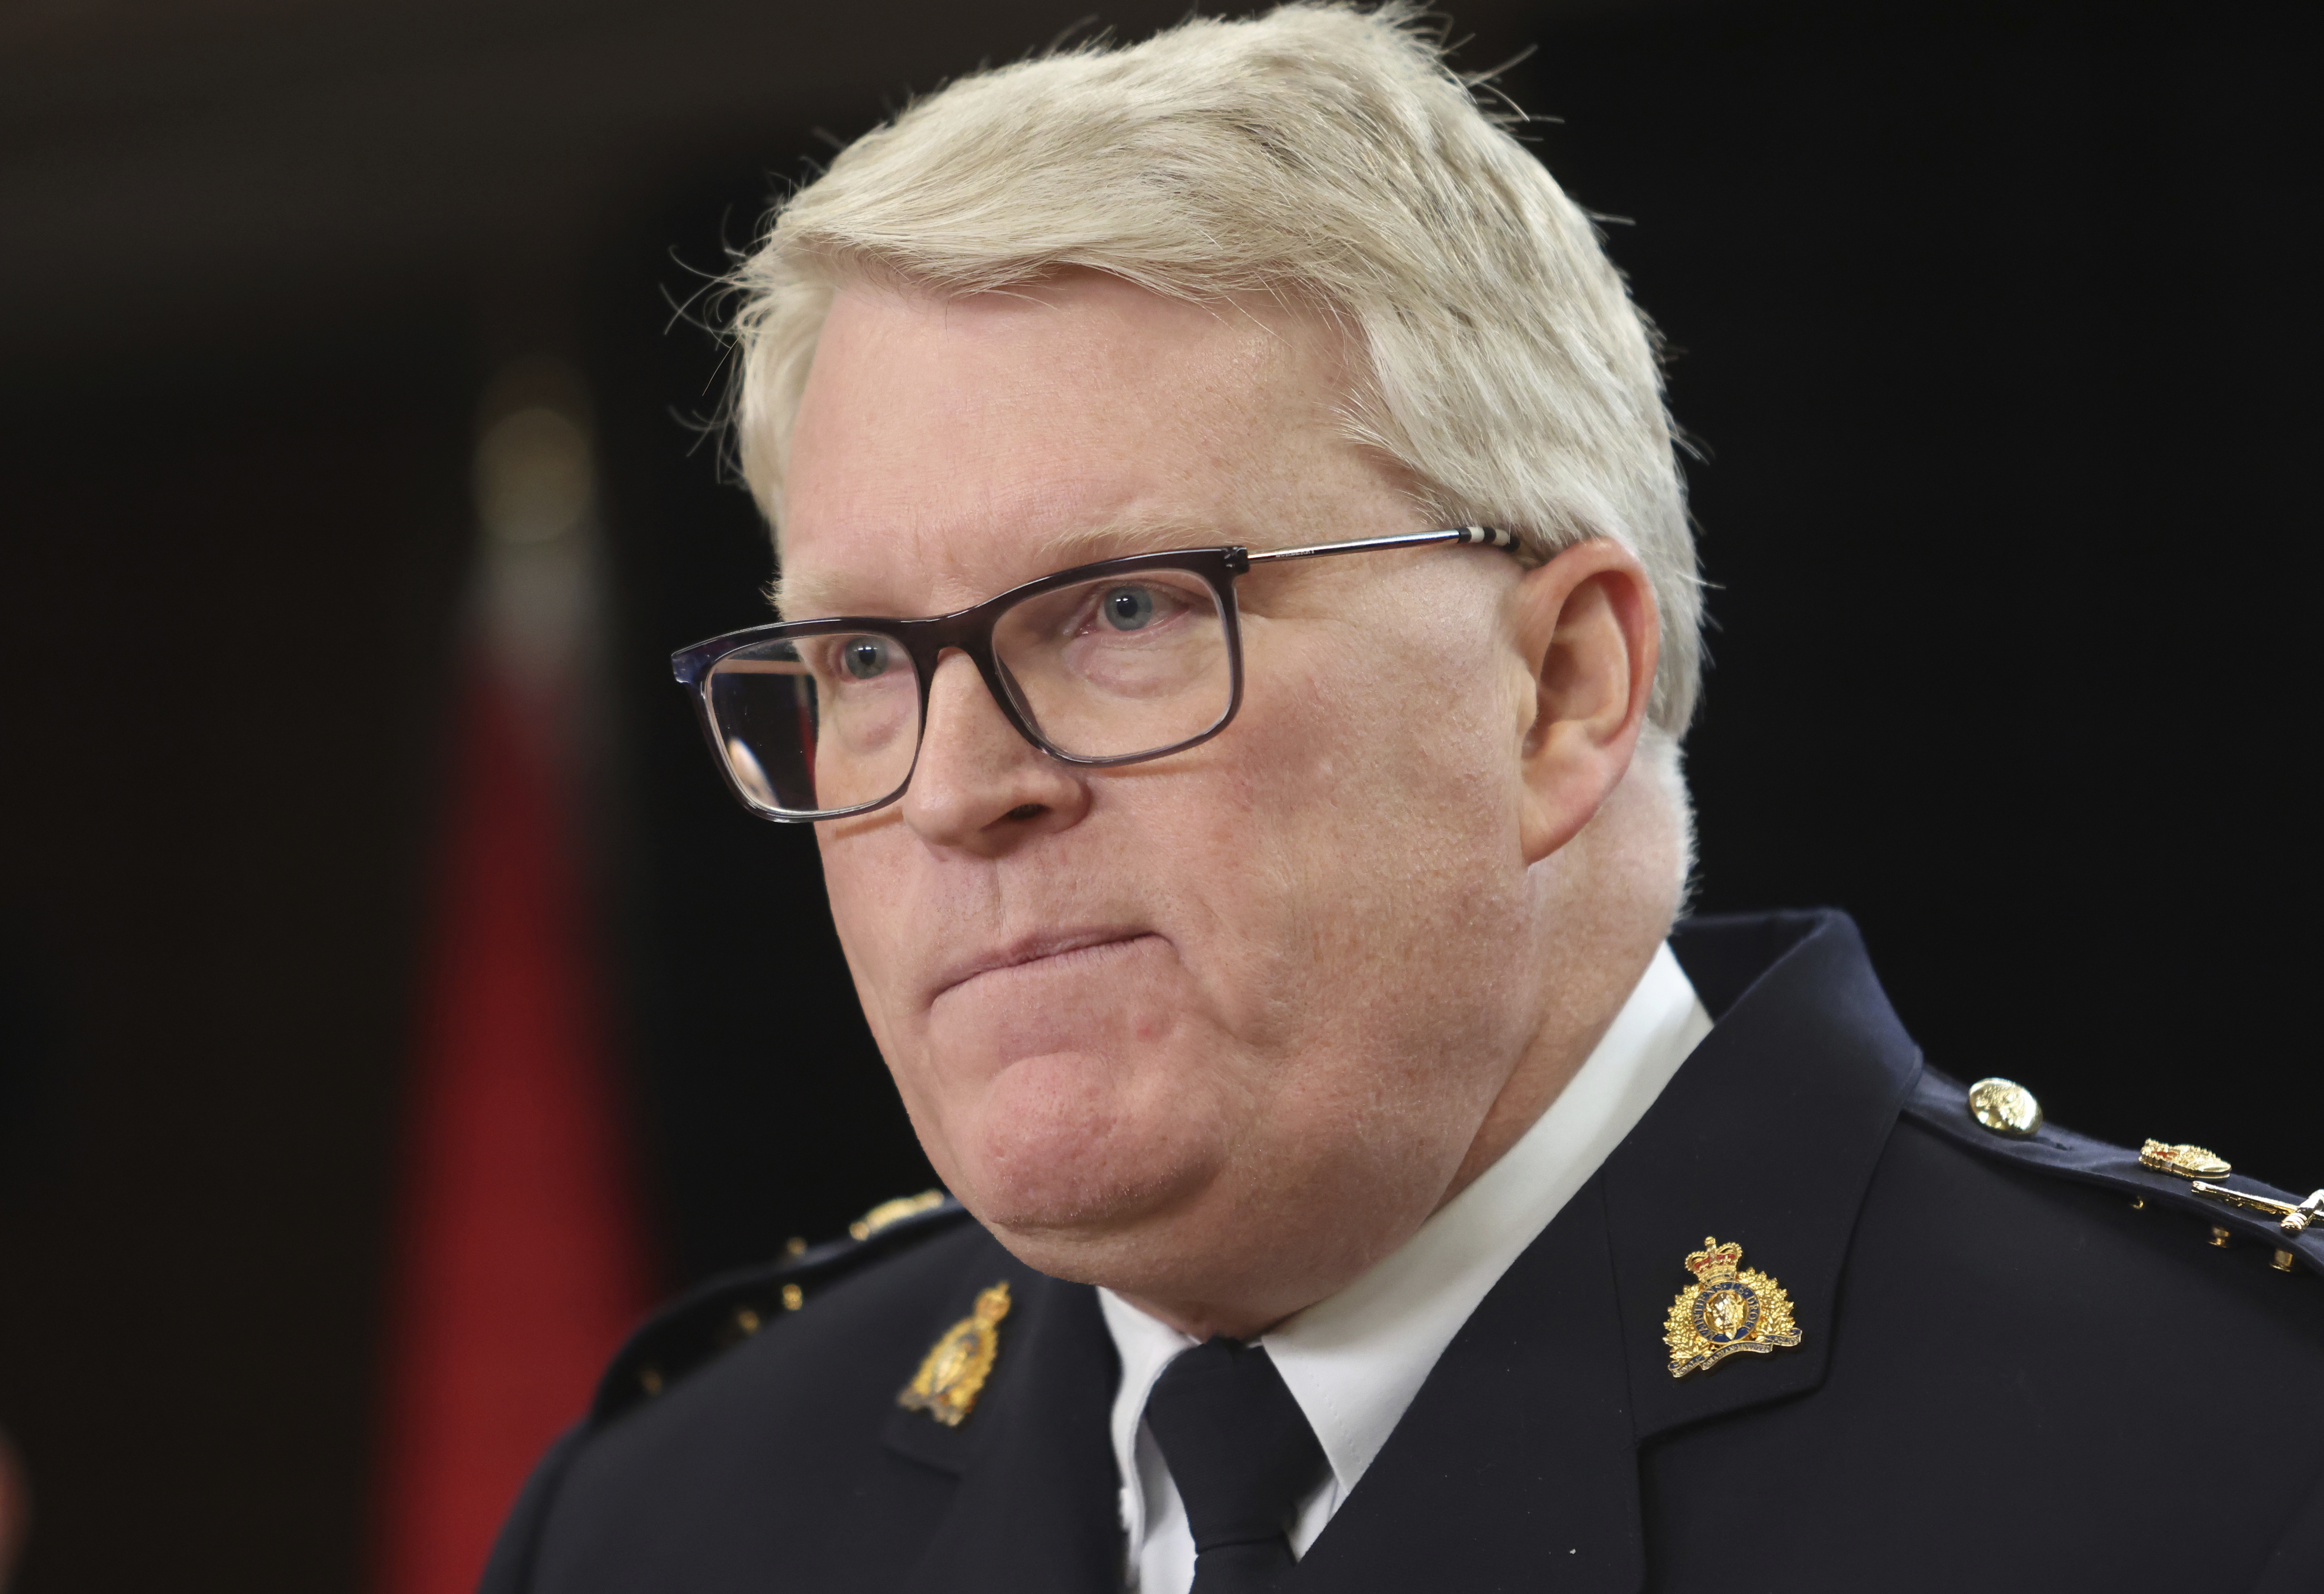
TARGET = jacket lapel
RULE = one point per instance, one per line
(1512, 1469)
(1036, 1504)
(1516, 1466)
(1766, 1137)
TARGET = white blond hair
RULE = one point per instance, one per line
(1319, 152)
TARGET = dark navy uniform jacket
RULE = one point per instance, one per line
(2010, 1377)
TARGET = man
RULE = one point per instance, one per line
(1360, 1184)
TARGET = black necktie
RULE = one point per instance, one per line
(1243, 1457)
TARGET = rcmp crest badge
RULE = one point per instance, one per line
(953, 1376)
(1728, 1310)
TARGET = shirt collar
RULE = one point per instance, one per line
(1355, 1359)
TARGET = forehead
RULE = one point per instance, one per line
(948, 447)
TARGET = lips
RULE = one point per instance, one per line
(1033, 949)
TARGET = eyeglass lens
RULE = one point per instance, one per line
(1112, 667)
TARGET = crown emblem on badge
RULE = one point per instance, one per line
(1714, 1264)
(1729, 1309)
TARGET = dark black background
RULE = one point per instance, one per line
(1993, 330)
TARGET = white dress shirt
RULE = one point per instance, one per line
(1355, 1360)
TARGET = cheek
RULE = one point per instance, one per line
(870, 889)
(1375, 799)
(1378, 867)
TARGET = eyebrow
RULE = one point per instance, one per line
(1063, 549)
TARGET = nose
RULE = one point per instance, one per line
(979, 786)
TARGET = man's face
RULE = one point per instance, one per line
(1227, 1021)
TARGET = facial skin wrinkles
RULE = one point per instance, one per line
(817, 595)
(1333, 980)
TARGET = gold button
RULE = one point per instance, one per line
(2280, 1261)
(2138, 1204)
(746, 1320)
(794, 1297)
(2220, 1236)
(795, 1246)
(2005, 1107)
(649, 1379)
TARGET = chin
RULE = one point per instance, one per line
(1056, 1154)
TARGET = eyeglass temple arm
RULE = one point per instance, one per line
(1488, 536)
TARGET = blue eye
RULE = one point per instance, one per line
(1128, 608)
(863, 658)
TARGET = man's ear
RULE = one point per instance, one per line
(1589, 629)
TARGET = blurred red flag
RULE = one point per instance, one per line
(521, 1256)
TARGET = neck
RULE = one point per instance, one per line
(1603, 914)
(1603, 906)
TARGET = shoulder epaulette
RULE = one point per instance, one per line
(2000, 1118)
(723, 1311)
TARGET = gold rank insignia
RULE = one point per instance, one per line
(2189, 1162)
(1726, 1312)
(953, 1376)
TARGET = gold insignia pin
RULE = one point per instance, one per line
(1726, 1312)
(953, 1376)
(2189, 1162)
(2292, 1217)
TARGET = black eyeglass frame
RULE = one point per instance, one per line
(970, 631)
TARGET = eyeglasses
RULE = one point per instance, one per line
(1101, 665)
